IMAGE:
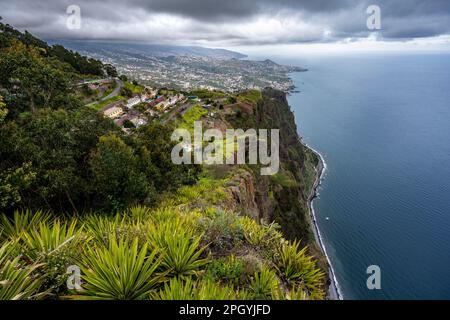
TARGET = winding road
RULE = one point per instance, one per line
(115, 92)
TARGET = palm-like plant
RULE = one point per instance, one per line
(12, 227)
(176, 289)
(300, 269)
(101, 227)
(187, 289)
(179, 248)
(49, 238)
(17, 281)
(260, 235)
(264, 285)
(119, 271)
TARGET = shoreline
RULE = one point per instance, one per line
(334, 292)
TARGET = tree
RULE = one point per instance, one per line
(116, 175)
(128, 124)
(3, 110)
(24, 71)
(126, 92)
(111, 71)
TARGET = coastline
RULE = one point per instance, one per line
(334, 292)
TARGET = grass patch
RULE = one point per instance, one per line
(252, 96)
(284, 180)
(192, 115)
(101, 104)
(207, 94)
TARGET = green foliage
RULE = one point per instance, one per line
(126, 92)
(206, 190)
(119, 271)
(17, 281)
(3, 110)
(260, 235)
(227, 270)
(56, 246)
(176, 289)
(178, 246)
(207, 94)
(193, 114)
(264, 285)
(22, 221)
(284, 180)
(299, 269)
(187, 289)
(116, 174)
(222, 231)
(252, 96)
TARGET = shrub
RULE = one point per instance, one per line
(178, 247)
(222, 231)
(21, 221)
(121, 227)
(260, 235)
(187, 289)
(299, 269)
(264, 285)
(17, 281)
(55, 245)
(176, 289)
(228, 269)
(119, 271)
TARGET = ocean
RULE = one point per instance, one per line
(382, 125)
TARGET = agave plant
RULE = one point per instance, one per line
(138, 213)
(17, 281)
(101, 227)
(56, 245)
(120, 271)
(188, 289)
(300, 269)
(179, 247)
(12, 227)
(176, 289)
(48, 238)
(296, 294)
(260, 235)
(264, 285)
(211, 290)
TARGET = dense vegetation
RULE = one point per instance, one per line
(58, 155)
(186, 248)
(76, 190)
(77, 62)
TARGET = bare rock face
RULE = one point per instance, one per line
(242, 195)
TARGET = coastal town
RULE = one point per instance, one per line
(131, 105)
(189, 68)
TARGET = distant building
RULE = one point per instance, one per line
(113, 112)
(138, 122)
(133, 101)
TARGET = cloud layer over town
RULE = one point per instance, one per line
(230, 23)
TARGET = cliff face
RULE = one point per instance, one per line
(283, 197)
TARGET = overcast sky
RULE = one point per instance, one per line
(240, 23)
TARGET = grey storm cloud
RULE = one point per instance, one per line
(232, 22)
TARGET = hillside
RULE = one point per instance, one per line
(78, 190)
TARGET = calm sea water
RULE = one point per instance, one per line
(382, 123)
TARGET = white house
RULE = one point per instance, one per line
(133, 101)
